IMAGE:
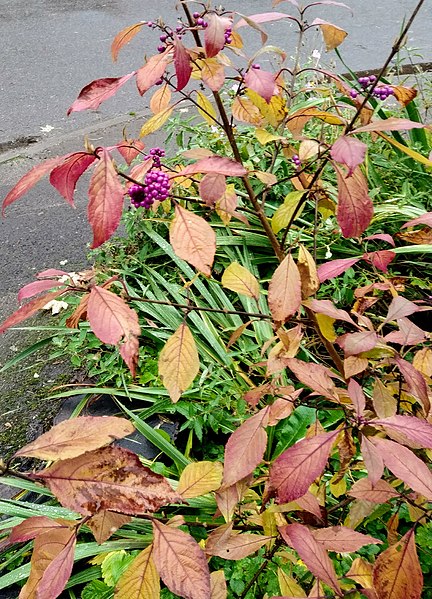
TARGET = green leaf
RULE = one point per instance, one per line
(293, 428)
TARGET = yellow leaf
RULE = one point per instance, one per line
(266, 178)
(275, 111)
(288, 586)
(361, 573)
(237, 278)
(412, 153)
(245, 111)
(326, 326)
(156, 122)
(264, 137)
(284, 213)
(423, 361)
(160, 99)
(337, 488)
(333, 36)
(308, 273)
(178, 362)
(206, 109)
(236, 40)
(200, 478)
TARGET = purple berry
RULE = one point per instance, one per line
(149, 24)
(353, 93)
(205, 24)
(161, 49)
(196, 15)
(200, 21)
(256, 66)
(163, 38)
(372, 78)
(179, 28)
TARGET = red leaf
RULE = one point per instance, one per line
(397, 573)
(245, 448)
(152, 71)
(37, 287)
(404, 464)
(424, 219)
(380, 259)
(372, 460)
(111, 478)
(111, 320)
(214, 164)
(342, 539)
(57, 574)
(65, 176)
(355, 208)
(214, 35)
(399, 308)
(30, 179)
(312, 553)
(357, 397)
(348, 151)
(382, 237)
(261, 82)
(105, 205)
(32, 527)
(180, 562)
(284, 294)
(130, 149)
(415, 382)
(182, 64)
(329, 309)
(418, 431)
(390, 124)
(92, 95)
(51, 272)
(212, 187)
(315, 376)
(292, 473)
(124, 37)
(332, 269)
(380, 492)
(357, 343)
(29, 309)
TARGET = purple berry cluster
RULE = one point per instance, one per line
(156, 187)
(382, 92)
(199, 20)
(296, 160)
(157, 154)
(228, 38)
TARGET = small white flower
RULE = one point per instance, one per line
(183, 109)
(55, 306)
(47, 128)
(316, 54)
(63, 262)
(328, 253)
(36, 375)
(214, 129)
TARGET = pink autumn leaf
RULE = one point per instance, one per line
(130, 149)
(50, 273)
(30, 179)
(105, 205)
(424, 219)
(408, 333)
(372, 460)
(152, 71)
(29, 309)
(214, 34)
(264, 17)
(357, 343)
(415, 382)
(330, 270)
(262, 82)
(382, 237)
(349, 151)
(32, 527)
(92, 95)
(399, 308)
(214, 164)
(342, 539)
(378, 492)
(312, 553)
(355, 208)
(315, 376)
(182, 64)
(292, 473)
(65, 176)
(212, 187)
(390, 124)
(330, 3)
(417, 430)
(380, 259)
(357, 397)
(329, 309)
(37, 287)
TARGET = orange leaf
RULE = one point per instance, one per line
(106, 523)
(333, 35)
(112, 320)
(218, 585)
(397, 573)
(141, 580)
(160, 99)
(111, 478)
(181, 562)
(245, 111)
(284, 294)
(124, 37)
(152, 71)
(105, 205)
(193, 239)
(178, 362)
(245, 448)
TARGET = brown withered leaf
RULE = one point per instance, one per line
(180, 562)
(105, 523)
(284, 294)
(397, 573)
(111, 478)
(308, 273)
(420, 236)
(73, 437)
(403, 94)
(218, 585)
(141, 580)
(233, 545)
(333, 35)
(347, 451)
